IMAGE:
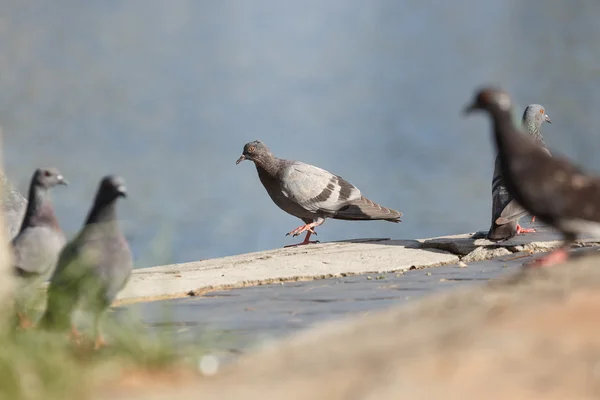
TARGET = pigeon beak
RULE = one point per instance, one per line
(470, 108)
(122, 190)
(61, 180)
(239, 160)
(548, 120)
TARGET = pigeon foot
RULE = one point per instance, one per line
(303, 228)
(305, 242)
(99, 343)
(24, 321)
(556, 257)
(75, 336)
(524, 230)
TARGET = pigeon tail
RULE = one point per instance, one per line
(365, 209)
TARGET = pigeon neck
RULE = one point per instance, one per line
(102, 211)
(268, 166)
(506, 134)
(533, 129)
(39, 208)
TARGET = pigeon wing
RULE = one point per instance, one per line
(317, 190)
(512, 212)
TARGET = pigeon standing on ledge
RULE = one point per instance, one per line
(505, 210)
(93, 267)
(551, 188)
(311, 193)
(39, 241)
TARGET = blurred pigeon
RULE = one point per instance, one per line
(505, 210)
(39, 241)
(93, 267)
(311, 193)
(13, 207)
(551, 188)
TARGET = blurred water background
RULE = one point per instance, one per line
(167, 93)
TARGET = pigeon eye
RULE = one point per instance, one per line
(251, 149)
(542, 111)
(47, 173)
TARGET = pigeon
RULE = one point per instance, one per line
(39, 241)
(505, 210)
(311, 193)
(13, 206)
(549, 187)
(92, 268)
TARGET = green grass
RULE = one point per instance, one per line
(36, 364)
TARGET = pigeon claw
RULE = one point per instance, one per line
(311, 230)
(300, 229)
(524, 230)
(75, 336)
(99, 343)
(308, 228)
(24, 321)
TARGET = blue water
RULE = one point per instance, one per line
(167, 93)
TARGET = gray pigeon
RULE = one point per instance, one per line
(13, 206)
(93, 267)
(39, 241)
(505, 210)
(549, 187)
(311, 193)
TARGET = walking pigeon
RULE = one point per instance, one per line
(93, 267)
(551, 188)
(505, 210)
(39, 241)
(311, 193)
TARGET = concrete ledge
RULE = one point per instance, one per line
(324, 261)
(314, 262)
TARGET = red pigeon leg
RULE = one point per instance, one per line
(533, 219)
(308, 228)
(306, 241)
(75, 335)
(523, 230)
(555, 257)
(24, 321)
(99, 343)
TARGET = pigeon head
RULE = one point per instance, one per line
(112, 187)
(48, 177)
(490, 99)
(535, 114)
(254, 151)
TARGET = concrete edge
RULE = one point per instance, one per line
(323, 261)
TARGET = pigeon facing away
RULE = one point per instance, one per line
(40, 239)
(93, 267)
(505, 210)
(549, 187)
(311, 193)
